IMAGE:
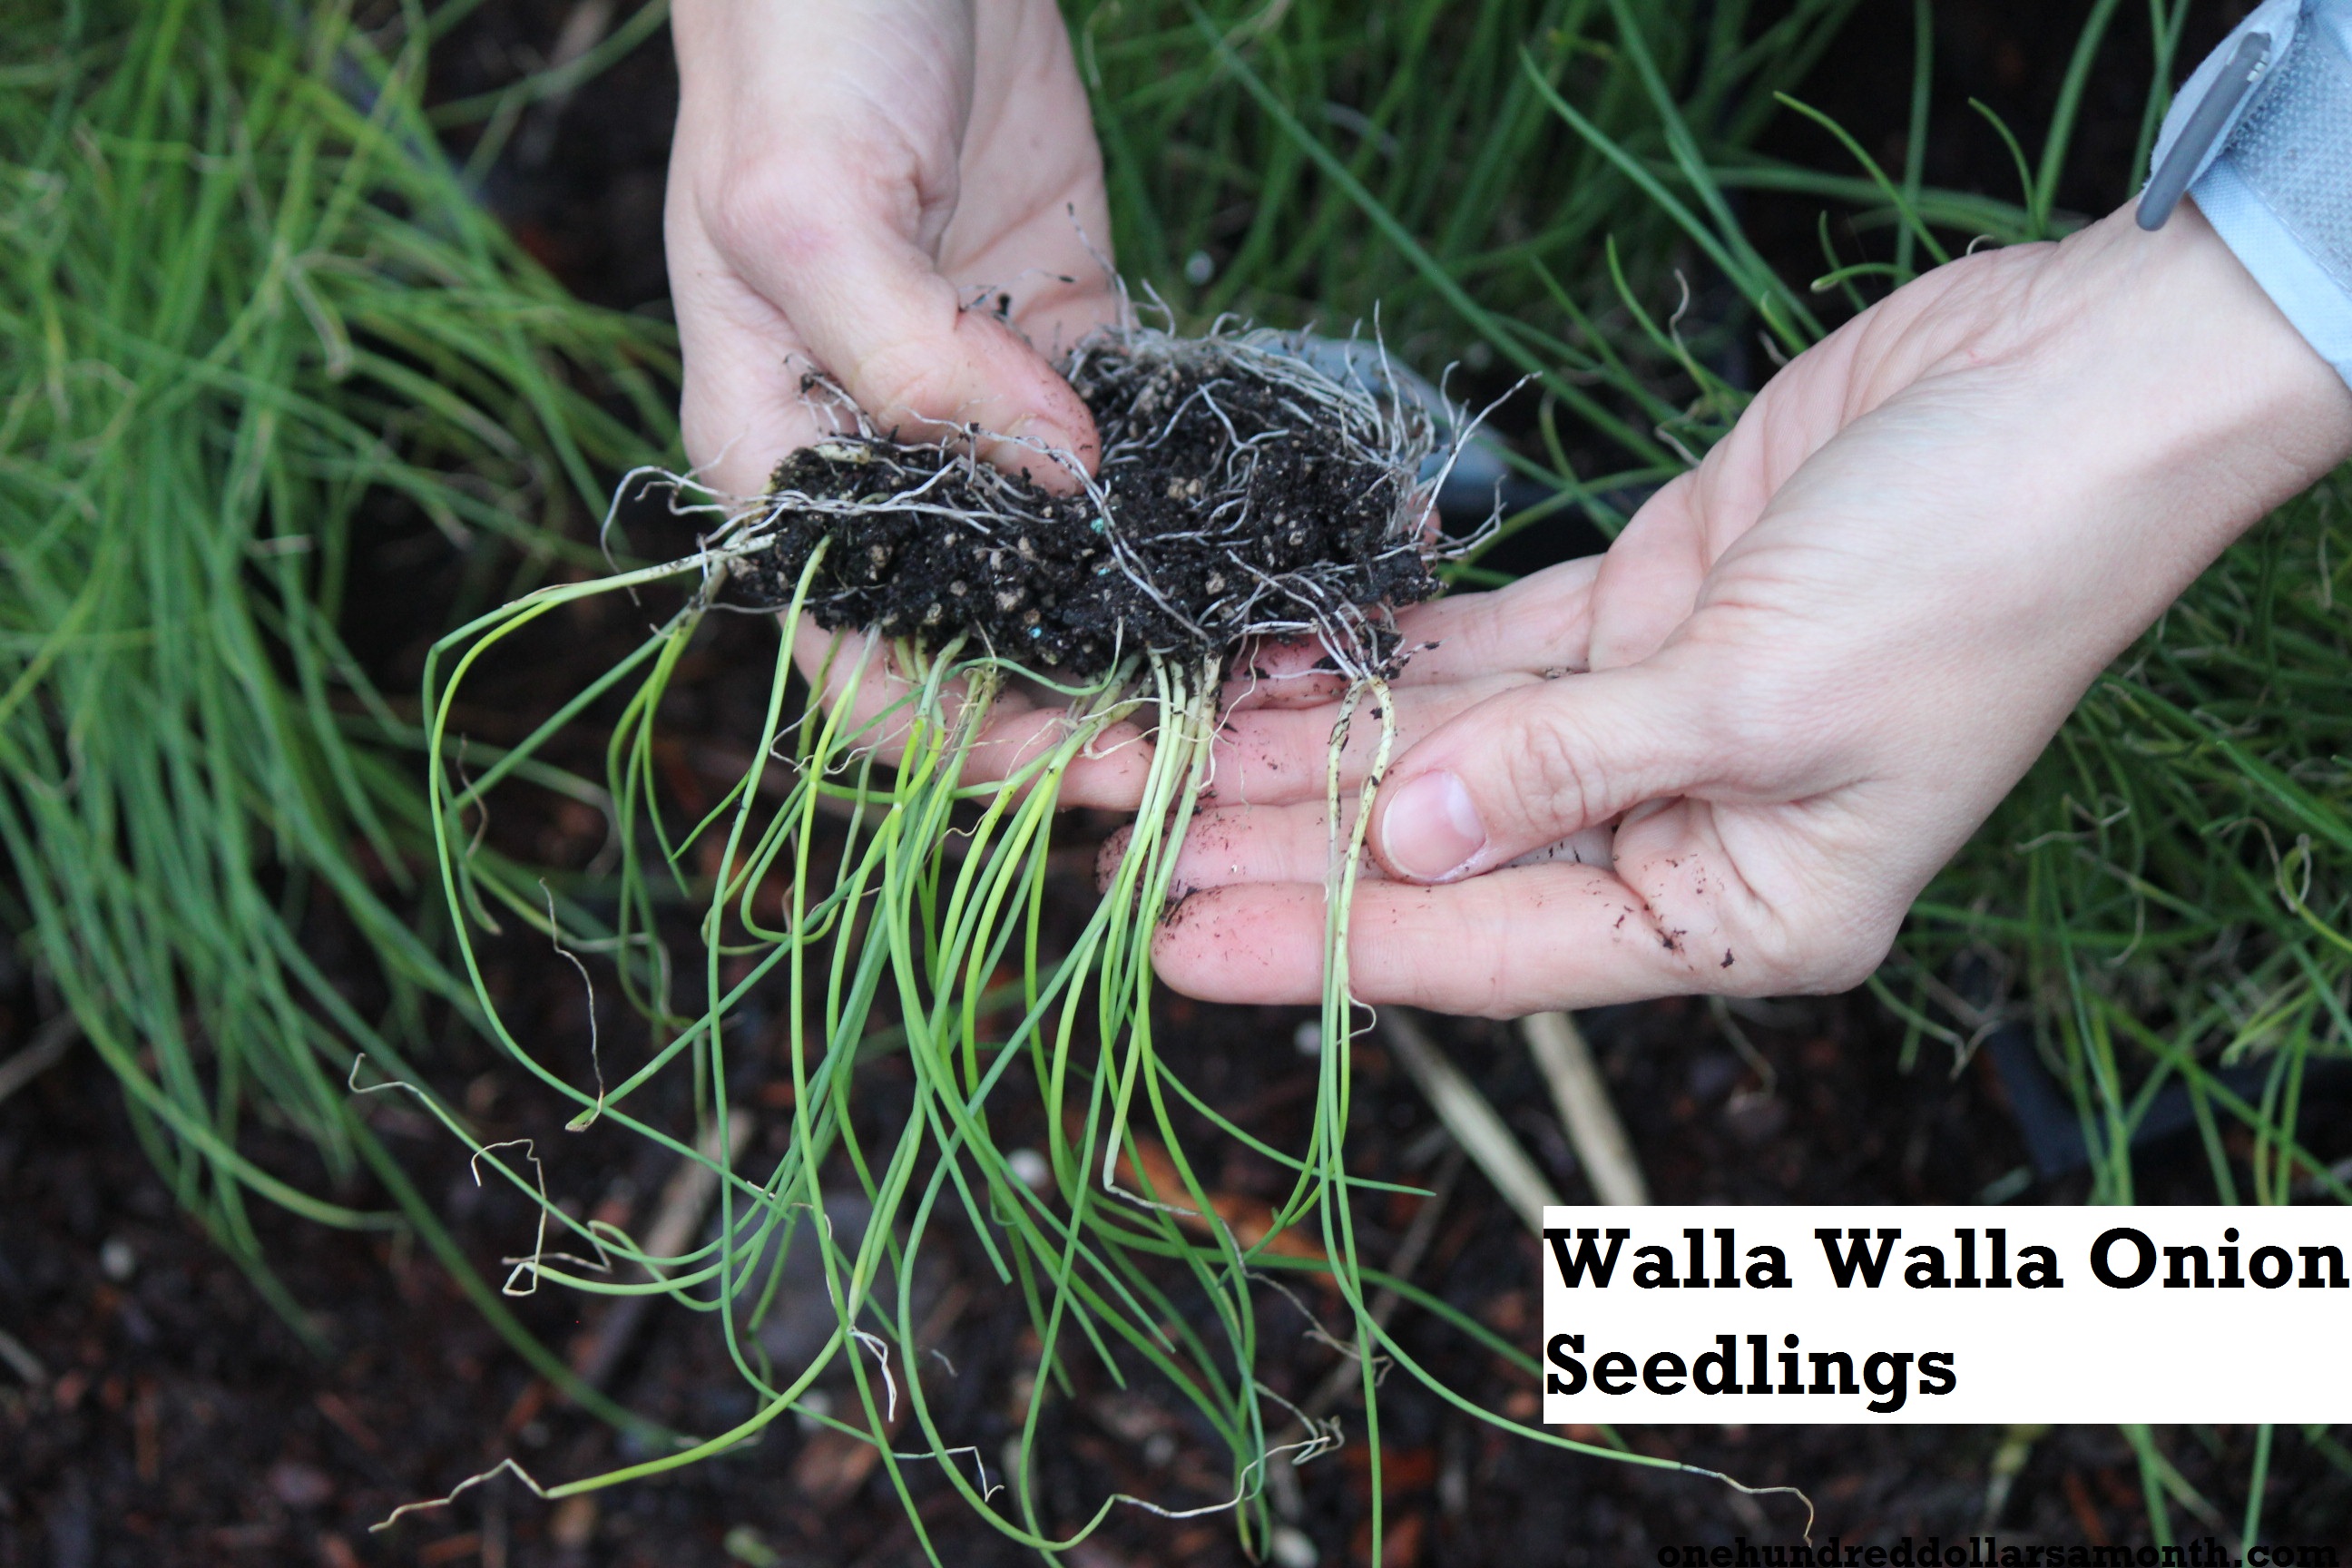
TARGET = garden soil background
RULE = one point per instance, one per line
(177, 1421)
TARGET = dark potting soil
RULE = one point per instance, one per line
(1239, 493)
(175, 1423)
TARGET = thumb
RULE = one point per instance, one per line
(878, 316)
(1533, 764)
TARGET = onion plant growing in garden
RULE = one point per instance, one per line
(250, 312)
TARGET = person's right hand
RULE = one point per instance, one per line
(901, 195)
(848, 176)
(1806, 671)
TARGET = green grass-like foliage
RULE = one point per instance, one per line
(252, 319)
(1417, 164)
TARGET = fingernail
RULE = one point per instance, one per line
(1432, 831)
(1017, 450)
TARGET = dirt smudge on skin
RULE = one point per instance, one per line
(1178, 910)
(1108, 857)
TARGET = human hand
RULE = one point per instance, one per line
(848, 176)
(1808, 669)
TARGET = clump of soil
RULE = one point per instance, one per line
(1241, 492)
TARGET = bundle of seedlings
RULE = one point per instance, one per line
(877, 894)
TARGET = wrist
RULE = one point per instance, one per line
(2177, 394)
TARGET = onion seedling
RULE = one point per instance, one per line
(885, 892)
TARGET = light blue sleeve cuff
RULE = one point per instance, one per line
(2319, 306)
(2277, 186)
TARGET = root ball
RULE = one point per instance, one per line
(1241, 492)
